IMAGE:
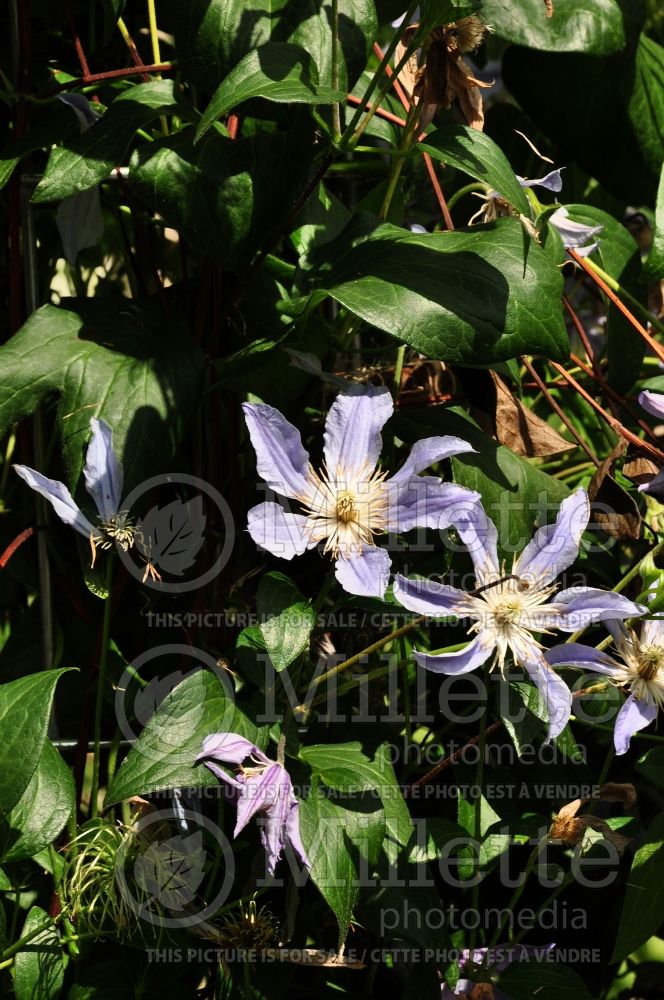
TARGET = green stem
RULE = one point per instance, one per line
(609, 729)
(336, 108)
(466, 189)
(615, 286)
(13, 949)
(396, 168)
(101, 683)
(384, 63)
(477, 826)
(353, 660)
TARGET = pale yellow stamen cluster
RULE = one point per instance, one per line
(509, 612)
(643, 670)
(345, 509)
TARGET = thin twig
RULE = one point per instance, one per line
(561, 413)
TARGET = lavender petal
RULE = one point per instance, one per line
(280, 456)
(103, 473)
(59, 497)
(352, 429)
(555, 546)
(632, 717)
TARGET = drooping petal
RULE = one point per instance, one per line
(261, 792)
(574, 234)
(352, 429)
(82, 108)
(293, 832)
(575, 654)
(230, 748)
(583, 606)
(222, 774)
(59, 497)
(552, 181)
(469, 658)
(367, 574)
(425, 502)
(103, 473)
(280, 456)
(555, 546)
(480, 536)
(426, 597)
(427, 451)
(632, 717)
(652, 402)
(281, 533)
(273, 839)
(551, 687)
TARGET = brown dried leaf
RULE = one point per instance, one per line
(520, 429)
(549, 7)
(640, 470)
(410, 74)
(614, 791)
(618, 514)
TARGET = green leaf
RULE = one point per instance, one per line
(465, 297)
(643, 909)
(542, 981)
(594, 26)
(223, 195)
(286, 619)
(38, 968)
(514, 491)
(342, 839)
(164, 754)
(620, 257)
(653, 268)
(133, 365)
(343, 766)
(437, 833)
(651, 766)
(476, 154)
(25, 707)
(277, 71)
(212, 36)
(438, 12)
(87, 159)
(42, 811)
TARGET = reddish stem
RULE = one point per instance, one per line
(641, 330)
(561, 413)
(13, 546)
(611, 421)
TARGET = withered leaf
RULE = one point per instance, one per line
(640, 470)
(520, 429)
(616, 511)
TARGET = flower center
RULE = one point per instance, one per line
(346, 510)
(507, 613)
(651, 661)
(119, 529)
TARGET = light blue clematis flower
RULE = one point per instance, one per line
(641, 672)
(264, 787)
(103, 480)
(350, 500)
(508, 611)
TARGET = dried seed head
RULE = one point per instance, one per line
(469, 33)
